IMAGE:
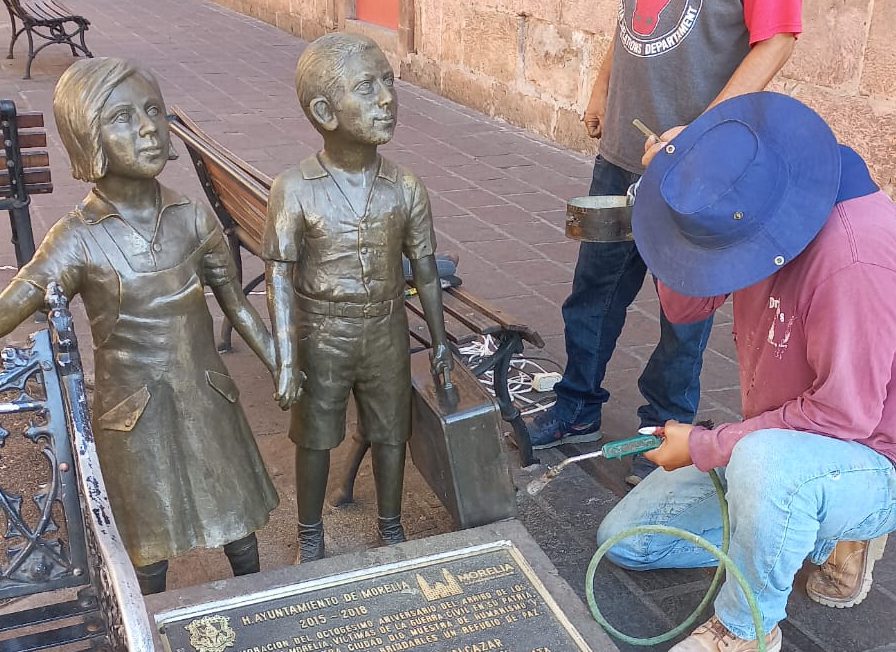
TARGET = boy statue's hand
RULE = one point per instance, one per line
(289, 385)
(441, 359)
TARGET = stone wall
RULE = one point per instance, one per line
(531, 62)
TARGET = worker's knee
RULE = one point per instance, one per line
(630, 552)
(757, 459)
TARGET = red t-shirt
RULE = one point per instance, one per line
(766, 18)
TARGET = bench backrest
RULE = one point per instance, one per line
(237, 191)
(24, 140)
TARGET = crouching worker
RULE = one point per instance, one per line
(179, 461)
(756, 199)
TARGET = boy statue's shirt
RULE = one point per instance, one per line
(340, 255)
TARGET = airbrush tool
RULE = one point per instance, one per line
(647, 439)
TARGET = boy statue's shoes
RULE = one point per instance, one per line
(713, 636)
(547, 431)
(844, 580)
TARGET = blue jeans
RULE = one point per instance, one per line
(607, 279)
(791, 496)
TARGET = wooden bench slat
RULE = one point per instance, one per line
(33, 159)
(31, 175)
(418, 329)
(32, 139)
(465, 314)
(505, 319)
(34, 189)
(29, 120)
(457, 331)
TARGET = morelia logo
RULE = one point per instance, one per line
(649, 28)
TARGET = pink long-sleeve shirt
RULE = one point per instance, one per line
(816, 341)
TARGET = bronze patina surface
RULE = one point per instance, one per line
(181, 466)
(338, 224)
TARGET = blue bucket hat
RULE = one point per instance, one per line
(737, 195)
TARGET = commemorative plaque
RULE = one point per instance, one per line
(478, 598)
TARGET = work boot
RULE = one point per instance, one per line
(547, 430)
(713, 636)
(641, 468)
(390, 530)
(311, 542)
(844, 580)
(243, 555)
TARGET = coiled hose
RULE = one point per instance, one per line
(725, 564)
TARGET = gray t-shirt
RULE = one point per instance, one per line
(671, 59)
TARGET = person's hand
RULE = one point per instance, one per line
(674, 452)
(594, 114)
(652, 146)
(289, 385)
(441, 359)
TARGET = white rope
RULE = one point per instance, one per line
(519, 380)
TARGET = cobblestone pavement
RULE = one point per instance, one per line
(498, 198)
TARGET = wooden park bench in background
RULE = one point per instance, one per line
(24, 171)
(50, 20)
(239, 193)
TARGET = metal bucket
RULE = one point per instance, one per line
(605, 218)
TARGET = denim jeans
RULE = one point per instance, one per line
(791, 496)
(607, 279)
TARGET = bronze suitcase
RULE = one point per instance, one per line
(456, 446)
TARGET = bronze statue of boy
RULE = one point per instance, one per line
(337, 226)
(179, 461)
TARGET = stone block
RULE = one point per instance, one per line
(878, 76)
(830, 50)
(525, 111)
(490, 44)
(547, 10)
(469, 89)
(428, 29)
(422, 71)
(597, 17)
(865, 124)
(553, 59)
(451, 31)
(569, 131)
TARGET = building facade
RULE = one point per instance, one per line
(532, 62)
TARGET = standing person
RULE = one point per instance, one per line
(756, 199)
(669, 61)
(338, 224)
(180, 463)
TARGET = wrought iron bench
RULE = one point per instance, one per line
(50, 20)
(238, 194)
(24, 171)
(57, 524)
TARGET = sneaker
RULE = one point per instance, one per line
(844, 580)
(547, 431)
(713, 636)
(641, 468)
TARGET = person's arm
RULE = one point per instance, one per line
(18, 301)
(219, 273)
(60, 257)
(753, 74)
(850, 344)
(758, 68)
(426, 280)
(283, 233)
(597, 104)
(681, 309)
(419, 247)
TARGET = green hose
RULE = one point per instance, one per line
(726, 564)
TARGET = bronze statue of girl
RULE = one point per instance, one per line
(180, 463)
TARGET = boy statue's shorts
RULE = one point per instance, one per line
(367, 355)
